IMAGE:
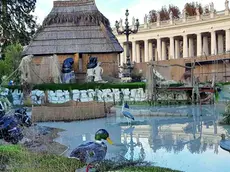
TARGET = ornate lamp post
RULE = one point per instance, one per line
(127, 31)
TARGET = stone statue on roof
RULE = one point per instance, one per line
(145, 19)
(211, 7)
(158, 17)
(197, 11)
(133, 21)
(226, 5)
(184, 13)
(171, 15)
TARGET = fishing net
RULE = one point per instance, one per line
(158, 75)
(48, 71)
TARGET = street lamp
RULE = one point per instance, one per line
(127, 31)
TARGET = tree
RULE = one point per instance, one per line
(191, 8)
(164, 13)
(175, 11)
(152, 16)
(12, 59)
(17, 22)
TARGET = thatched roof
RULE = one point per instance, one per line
(75, 26)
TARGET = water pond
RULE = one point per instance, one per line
(189, 144)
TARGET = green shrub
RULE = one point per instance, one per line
(86, 86)
(226, 114)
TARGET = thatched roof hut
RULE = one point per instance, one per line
(74, 26)
(77, 29)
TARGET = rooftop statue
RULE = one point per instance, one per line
(197, 11)
(158, 17)
(145, 19)
(226, 5)
(212, 7)
(171, 15)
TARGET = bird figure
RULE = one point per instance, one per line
(92, 152)
(126, 113)
(225, 144)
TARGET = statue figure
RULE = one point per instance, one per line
(98, 71)
(145, 19)
(158, 17)
(171, 15)
(226, 5)
(90, 68)
(211, 7)
(120, 22)
(133, 22)
(197, 11)
(184, 13)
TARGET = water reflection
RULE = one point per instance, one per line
(184, 143)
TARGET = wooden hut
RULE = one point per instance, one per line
(77, 29)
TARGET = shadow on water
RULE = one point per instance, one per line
(176, 143)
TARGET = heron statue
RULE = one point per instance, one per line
(126, 113)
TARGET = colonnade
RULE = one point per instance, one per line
(178, 46)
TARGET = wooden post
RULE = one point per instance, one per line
(76, 62)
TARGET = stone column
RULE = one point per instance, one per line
(227, 37)
(213, 43)
(142, 54)
(199, 44)
(163, 50)
(205, 46)
(191, 47)
(138, 52)
(159, 56)
(185, 46)
(220, 44)
(146, 45)
(177, 49)
(150, 51)
(122, 55)
(172, 48)
(155, 54)
(134, 51)
(226, 7)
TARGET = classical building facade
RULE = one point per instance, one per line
(185, 38)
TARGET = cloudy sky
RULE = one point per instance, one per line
(115, 9)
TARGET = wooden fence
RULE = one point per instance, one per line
(70, 112)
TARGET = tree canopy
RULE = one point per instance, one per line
(17, 21)
(12, 59)
(164, 13)
(191, 8)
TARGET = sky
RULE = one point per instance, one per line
(115, 9)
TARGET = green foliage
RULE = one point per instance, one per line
(86, 86)
(12, 59)
(226, 114)
(19, 159)
(17, 20)
(125, 165)
(147, 169)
